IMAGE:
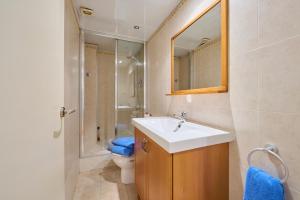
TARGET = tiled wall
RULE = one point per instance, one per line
(125, 86)
(263, 102)
(182, 72)
(90, 99)
(106, 96)
(204, 65)
(99, 98)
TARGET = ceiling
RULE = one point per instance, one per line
(125, 49)
(117, 18)
(208, 26)
(106, 44)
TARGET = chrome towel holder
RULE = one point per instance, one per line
(273, 150)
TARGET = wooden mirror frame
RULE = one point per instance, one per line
(224, 53)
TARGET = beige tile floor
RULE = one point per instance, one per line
(104, 184)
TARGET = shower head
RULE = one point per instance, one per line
(135, 60)
(132, 58)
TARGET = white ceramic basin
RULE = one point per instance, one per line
(189, 136)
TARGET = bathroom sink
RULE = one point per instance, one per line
(189, 136)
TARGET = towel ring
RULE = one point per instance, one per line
(273, 150)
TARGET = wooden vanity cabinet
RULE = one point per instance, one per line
(198, 174)
(140, 165)
(153, 169)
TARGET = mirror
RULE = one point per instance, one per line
(199, 53)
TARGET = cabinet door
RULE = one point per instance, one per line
(201, 174)
(159, 172)
(140, 165)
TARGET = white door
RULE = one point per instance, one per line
(31, 93)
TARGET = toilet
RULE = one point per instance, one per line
(127, 167)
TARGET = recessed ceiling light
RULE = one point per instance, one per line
(86, 11)
(120, 61)
(136, 27)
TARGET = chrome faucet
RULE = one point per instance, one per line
(182, 120)
(181, 117)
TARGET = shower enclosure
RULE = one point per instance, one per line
(111, 90)
(129, 85)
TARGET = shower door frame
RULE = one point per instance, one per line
(82, 82)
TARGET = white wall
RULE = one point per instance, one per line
(263, 102)
(31, 85)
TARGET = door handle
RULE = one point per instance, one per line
(62, 114)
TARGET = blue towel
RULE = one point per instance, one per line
(262, 186)
(122, 150)
(127, 141)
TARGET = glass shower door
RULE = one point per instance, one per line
(97, 94)
(129, 86)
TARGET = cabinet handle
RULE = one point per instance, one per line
(144, 145)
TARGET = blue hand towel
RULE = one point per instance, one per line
(127, 141)
(122, 150)
(262, 186)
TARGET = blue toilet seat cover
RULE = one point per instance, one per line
(127, 141)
